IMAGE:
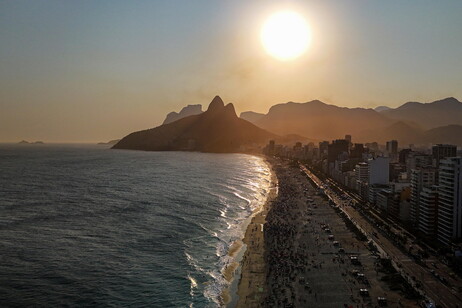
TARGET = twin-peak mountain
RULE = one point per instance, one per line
(216, 130)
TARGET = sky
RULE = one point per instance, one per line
(90, 71)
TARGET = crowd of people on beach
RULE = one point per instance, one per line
(298, 244)
(280, 231)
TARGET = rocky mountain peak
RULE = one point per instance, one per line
(216, 104)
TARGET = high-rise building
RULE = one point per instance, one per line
(348, 138)
(428, 211)
(420, 178)
(450, 200)
(362, 177)
(417, 160)
(379, 170)
(440, 151)
(357, 150)
(396, 172)
(392, 147)
(323, 148)
(403, 155)
(298, 151)
(336, 148)
(372, 146)
(384, 198)
(362, 172)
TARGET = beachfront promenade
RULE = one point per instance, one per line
(419, 276)
(307, 252)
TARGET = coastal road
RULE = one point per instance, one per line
(432, 265)
(434, 289)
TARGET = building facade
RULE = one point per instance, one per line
(450, 200)
(420, 178)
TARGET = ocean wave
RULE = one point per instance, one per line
(193, 285)
(237, 199)
(242, 197)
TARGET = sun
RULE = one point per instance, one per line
(285, 35)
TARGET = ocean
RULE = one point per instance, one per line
(83, 225)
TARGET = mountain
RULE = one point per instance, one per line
(185, 112)
(216, 130)
(23, 142)
(405, 133)
(430, 115)
(321, 121)
(451, 134)
(251, 116)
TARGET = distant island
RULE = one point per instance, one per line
(27, 142)
(111, 142)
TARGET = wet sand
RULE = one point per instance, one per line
(252, 283)
(230, 270)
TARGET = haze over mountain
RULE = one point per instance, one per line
(410, 123)
(185, 112)
(451, 134)
(320, 121)
(404, 132)
(381, 108)
(251, 116)
(216, 130)
(430, 115)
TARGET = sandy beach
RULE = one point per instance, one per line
(252, 283)
(301, 257)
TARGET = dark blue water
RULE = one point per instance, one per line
(89, 226)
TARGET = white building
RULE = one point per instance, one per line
(418, 160)
(428, 208)
(379, 170)
(420, 178)
(450, 200)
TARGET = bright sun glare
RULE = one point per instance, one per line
(285, 35)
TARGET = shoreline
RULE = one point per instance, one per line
(250, 271)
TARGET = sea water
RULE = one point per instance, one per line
(85, 225)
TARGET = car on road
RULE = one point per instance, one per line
(382, 301)
(355, 260)
(364, 292)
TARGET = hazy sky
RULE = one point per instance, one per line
(85, 71)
